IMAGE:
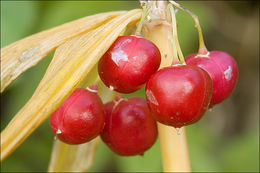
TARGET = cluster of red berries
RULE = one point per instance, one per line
(126, 125)
(178, 95)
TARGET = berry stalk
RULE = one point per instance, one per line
(175, 43)
(174, 36)
(144, 14)
(202, 48)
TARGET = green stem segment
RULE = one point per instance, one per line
(202, 47)
(177, 53)
(144, 14)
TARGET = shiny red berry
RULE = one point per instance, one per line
(179, 95)
(129, 63)
(129, 128)
(80, 118)
(222, 69)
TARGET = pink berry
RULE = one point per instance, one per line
(179, 95)
(129, 63)
(129, 127)
(222, 69)
(80, 118)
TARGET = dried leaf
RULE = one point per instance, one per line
(23, 54)
(71, 63)
(72, 158)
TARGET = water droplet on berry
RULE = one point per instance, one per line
(178, 131)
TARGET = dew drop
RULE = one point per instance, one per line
(178, 131)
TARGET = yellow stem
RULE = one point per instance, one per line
(174, 149)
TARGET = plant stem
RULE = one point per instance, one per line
(174, 149)
(174, 36)
(202, 47)
(144, 14)
(176, 44)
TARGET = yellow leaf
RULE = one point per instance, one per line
(23, 54)
(72, 158)
(71, 63)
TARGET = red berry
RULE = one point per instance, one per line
(222, 69)
(129, 63)
(80, 118)
(179, 95)
(129, 127)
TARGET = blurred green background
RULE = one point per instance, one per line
(226, 139)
